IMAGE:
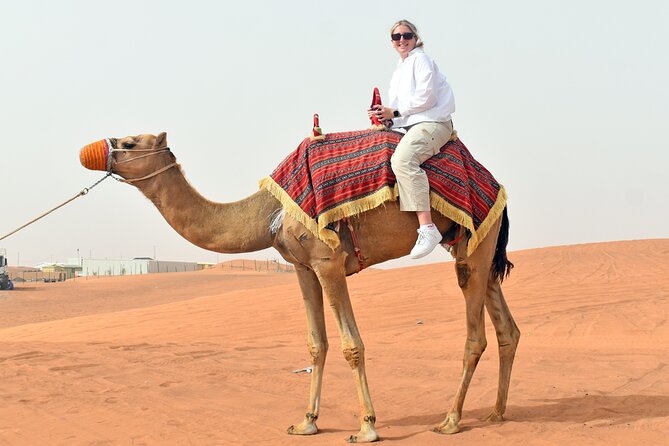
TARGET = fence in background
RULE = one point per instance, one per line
(37, 276)
(273, 266)
(268, 265)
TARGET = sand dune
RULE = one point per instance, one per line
(206, 358)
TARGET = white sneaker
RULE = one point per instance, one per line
(428, 239)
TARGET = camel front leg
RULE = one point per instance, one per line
(508, 336)
(317, 342)
(332, 277)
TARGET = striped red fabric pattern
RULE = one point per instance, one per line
(345, 168)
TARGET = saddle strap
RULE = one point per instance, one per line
(356, 247)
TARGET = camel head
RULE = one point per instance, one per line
(133, 158)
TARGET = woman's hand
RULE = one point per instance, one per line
(382, 113)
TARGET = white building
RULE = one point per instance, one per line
(138, 265)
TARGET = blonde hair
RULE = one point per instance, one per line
(412, 27)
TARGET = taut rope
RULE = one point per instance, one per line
(83, 192)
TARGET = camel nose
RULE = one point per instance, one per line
(94, 156)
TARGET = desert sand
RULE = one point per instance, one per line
(207, 358)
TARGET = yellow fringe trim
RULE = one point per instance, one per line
(292, 209)
(379, 197)
(353, 208)
(378, 127)
(448, 210)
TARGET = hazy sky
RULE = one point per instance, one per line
(565, 103)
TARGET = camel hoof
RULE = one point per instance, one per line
(367, 437)
(367, 434)
(448, 429)
(303, 428)
(494, 417)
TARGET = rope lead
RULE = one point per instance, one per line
(83, 192)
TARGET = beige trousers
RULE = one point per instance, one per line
(422, 141)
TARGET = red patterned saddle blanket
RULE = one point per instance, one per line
(349, 173)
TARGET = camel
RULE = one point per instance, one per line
(383, 233)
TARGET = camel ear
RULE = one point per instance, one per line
(161, 141)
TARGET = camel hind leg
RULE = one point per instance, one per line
(506, 330)
(473, 275)
(475, 345)
(508, 336)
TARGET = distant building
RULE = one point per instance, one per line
(138, 265)
(59, 271)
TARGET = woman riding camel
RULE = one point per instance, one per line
(421, 102)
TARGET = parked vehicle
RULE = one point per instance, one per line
(5, 283)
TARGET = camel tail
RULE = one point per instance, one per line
(501, 267)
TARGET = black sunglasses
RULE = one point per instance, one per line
(398, 36)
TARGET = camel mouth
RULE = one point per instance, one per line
(94, 156)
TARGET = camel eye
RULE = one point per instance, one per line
(128, 144)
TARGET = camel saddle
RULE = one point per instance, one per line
(348, 173)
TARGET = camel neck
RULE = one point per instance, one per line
(219, 227)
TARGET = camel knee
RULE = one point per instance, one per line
(354, 355)
(515, 334)
(507, 332)
(475, 347)
(318, 351)
(509, 342)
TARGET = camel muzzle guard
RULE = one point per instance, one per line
(99, 156)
